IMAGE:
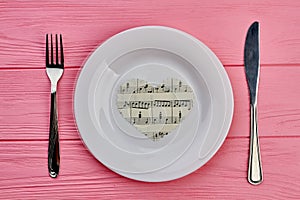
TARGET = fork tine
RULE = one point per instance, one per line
(56, 48)
(61, 52)
(47, 51)
(51, 51)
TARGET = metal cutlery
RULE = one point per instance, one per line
(54, 72)
(252, 68)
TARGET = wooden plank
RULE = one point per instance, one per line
(222, 26)
(25, 103)
(24, 174)
(278, 104)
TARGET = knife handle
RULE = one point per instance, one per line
(255, 175)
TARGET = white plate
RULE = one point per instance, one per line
(153, 53)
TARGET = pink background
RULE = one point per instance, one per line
(221, 25)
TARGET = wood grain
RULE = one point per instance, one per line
(224, 177)
(222, 26)
(25, 101)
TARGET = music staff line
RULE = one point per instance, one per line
(149, 112)
(155, 103)
(130, 88)
(155, 135)
(154, 120)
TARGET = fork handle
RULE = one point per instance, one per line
(53, 148)
(255, 175)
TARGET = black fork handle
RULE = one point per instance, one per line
(53, 148)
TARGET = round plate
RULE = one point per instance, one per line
(154, 54)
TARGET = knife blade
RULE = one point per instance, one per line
(251, 59)
(252, 69)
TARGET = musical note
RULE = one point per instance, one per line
(155, 135)
(179, 116)
(161, 103)
(141, 104)
(183, 103)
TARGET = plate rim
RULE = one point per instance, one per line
(221, 70)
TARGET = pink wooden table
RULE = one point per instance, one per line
(221, 25)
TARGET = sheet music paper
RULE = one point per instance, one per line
(155, 110)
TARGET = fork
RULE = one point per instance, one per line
(54, 72)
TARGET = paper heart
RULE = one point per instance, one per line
(155, 109)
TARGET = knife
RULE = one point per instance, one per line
(252, 68)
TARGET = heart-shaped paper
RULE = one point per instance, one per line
(155, 109)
